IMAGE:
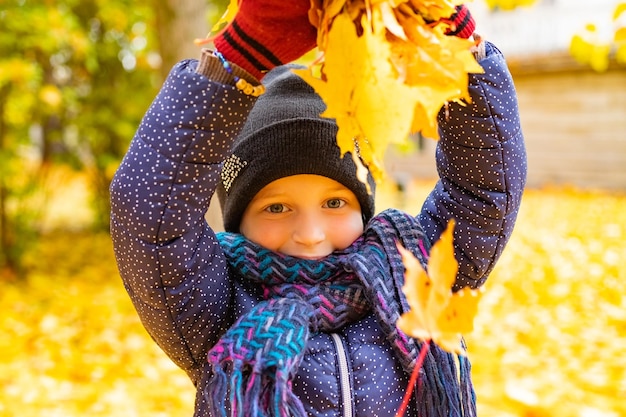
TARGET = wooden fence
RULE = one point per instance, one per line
(574, 122)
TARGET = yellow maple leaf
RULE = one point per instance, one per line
(371, 107)
(437, 313)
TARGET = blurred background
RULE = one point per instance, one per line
(568, 61)
(75, 79)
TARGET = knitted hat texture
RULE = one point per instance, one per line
(284, 135)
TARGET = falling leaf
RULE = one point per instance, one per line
(437, 313)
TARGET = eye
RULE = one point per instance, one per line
(334, 203)
(276, 208)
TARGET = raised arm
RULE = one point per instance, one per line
(481, 161)
(167, 256)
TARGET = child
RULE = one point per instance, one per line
(292, 310)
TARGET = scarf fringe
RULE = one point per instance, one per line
(263, 395)
(441, 391)
(254, 362)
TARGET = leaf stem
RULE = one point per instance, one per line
(413, 380)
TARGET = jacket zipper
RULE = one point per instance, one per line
(344, 378)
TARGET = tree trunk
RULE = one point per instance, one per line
(8, 262)
(4, 237)
(179, 22)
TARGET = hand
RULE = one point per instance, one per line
(462, 23)
(267, 33)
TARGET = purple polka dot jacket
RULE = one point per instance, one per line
(177, 275)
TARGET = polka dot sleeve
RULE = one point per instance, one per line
(481, 161)
(168, 258)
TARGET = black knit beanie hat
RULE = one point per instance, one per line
(284, 135)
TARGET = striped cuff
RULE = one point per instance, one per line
(239, 47)
(462, 23)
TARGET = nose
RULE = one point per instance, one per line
(309, 230)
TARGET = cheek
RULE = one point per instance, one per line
(346, 231)
(270, 237)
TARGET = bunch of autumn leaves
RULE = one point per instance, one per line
(385, 70)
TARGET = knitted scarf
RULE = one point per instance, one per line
(256, 360)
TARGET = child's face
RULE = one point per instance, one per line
(307, 216)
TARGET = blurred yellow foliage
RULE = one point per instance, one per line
(509, 4)
(548, 340)
(550, 335)
(588, 47)
(72, 344)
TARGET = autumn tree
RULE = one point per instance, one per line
(74, 81)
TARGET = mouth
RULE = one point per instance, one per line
(311, 258)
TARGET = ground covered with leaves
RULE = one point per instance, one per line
(549, 339)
